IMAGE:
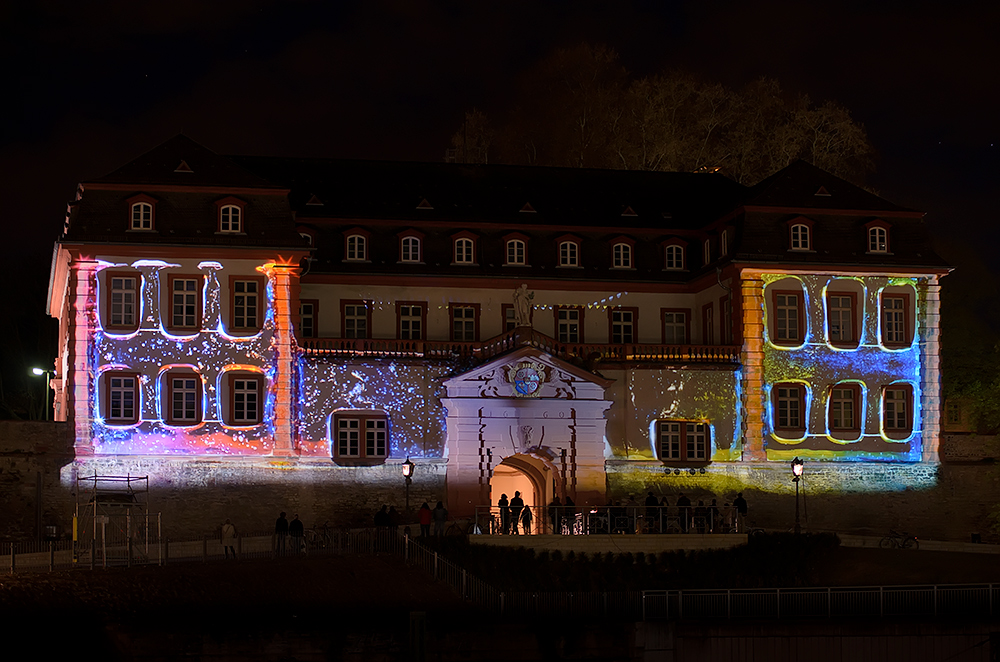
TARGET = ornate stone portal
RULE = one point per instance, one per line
(528, 404)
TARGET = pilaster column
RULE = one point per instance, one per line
(79, 380)
(283, 343)
(930, 372)
(752, 358)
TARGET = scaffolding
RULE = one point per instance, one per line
(112, 524)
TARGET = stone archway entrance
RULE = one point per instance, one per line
(552, 430)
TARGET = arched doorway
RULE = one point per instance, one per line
(528, 475)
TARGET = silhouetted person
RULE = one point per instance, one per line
(569, 514)
(382, 518)
(516, 504)
(713, 516)
(742, 508)
(425, 517)
(504, 514)
(440, 517)
(280, 534)
(395, 519)
(684, 512)
(526, 520)
(555, 511)
(632, 511)
(664, 515)
(229, 539)
(296, 531)
(652, 508)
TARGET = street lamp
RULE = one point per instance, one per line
(408, 475)
(796, 475)
(48, 377)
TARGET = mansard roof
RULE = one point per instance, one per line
(513, 196)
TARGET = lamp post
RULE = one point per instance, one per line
(796, 475)
(408, 475)
(48, 377)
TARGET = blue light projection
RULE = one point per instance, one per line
(820, 366)
(211, 353)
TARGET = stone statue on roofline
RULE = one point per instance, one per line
(522, 306)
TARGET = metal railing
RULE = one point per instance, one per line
(564, 520)
(960, 600)
(521, 337)
(830, 602)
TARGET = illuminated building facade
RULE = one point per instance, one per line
(589, 333)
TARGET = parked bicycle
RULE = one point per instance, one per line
(899, 541)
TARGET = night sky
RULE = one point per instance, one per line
(90, 85)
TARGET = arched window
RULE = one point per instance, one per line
(569, 254)
(675, 257)
(230, 219)
(357, 247)
(515, 251)
(142, 216)
(409, 249)
(800, 237)
(878, 240)
(464, 251)
(622, 256)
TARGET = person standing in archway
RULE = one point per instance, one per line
(516, 505)
(555, 511)
(504, 514)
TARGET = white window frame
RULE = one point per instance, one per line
(185, 395)
(230, 219)
(409, 249)
(465, 251)
(357, 248)
(878, 240)
(569, 254)
(515, 252)
(122, 309)
(184, 303)
(800, 237)
(621, 256)
(683, 441)
(568, 325)
(142, 216)
(673, 257)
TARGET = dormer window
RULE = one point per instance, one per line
(800, 234)
(673, 255)
(409, 249)
(569, 250)
(515, 252)
(464, 248)
(707, 251)
(621, 255)
(142, 216)
(878, 237)
(231, 215)
(141, 213)
(724, 244)
(357, 248)
(516, 246)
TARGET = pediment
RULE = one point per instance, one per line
(528, 373)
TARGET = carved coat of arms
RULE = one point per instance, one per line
(526, 377)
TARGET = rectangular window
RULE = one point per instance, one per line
(411, 320)
(675, 327)
(787, 317)
(897, 410)
(375, 438)
(348, 437)
(726, 323)
(246, 303)
(184, 393)
(953, 413)
(622, 326)
(122, 300)
(463, 322)
(708, 324)
(894, 332)
(568, 325)
(122, 399)
(356, 320)
(840, 321)
(185, 310)
(790, 407)
(246, 400)
(683, 441)
(307, 318)
(844, 408)
(509, 317)
(360, 434)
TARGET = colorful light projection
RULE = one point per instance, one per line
(819, 366)
(211, 353)
(409, 393)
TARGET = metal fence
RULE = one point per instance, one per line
(963, 600)
(832, 602)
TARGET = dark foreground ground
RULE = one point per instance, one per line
(343, 608)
